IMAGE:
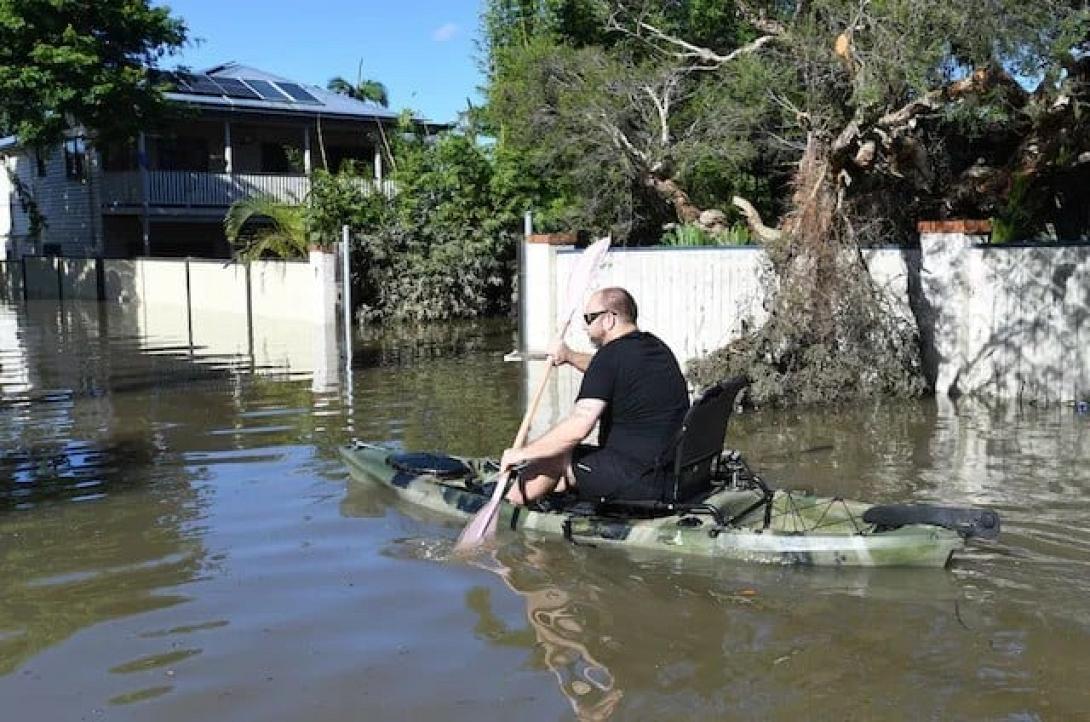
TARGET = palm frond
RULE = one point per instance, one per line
(284, 235)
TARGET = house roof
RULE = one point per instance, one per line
(290, 97)
(278, 94)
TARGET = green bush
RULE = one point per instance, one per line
(441, 248)
(692, 235)
(688, 235)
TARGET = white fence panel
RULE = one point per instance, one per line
(283, 289)
(694, 299)
(1003, 321)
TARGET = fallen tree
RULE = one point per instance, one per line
(865, 116)
(876, 104)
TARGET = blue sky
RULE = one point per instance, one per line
(423, 50)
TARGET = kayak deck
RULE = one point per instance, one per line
(738, 520)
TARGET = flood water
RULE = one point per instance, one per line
(179, 541)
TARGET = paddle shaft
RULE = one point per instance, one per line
(483, 522)
(524, 427)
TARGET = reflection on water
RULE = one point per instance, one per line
(179, 540)
(555, 617)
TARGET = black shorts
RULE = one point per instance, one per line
(605, 474)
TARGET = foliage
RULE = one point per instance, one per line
(1014, 222)
(448, 244)
(260, 226)
(441, 248)
(692, 235)
(364, 89)
(73, 62)
(688, 235)
(736, 235)
(36, 219)
(625, 139)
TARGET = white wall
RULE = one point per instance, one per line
(159, 281)
(1010, 322)
(1000, 321)
(695, 299)
(283, 289)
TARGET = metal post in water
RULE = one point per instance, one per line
(145, 191)
(346, 295)
(527, 231)
(520, 261)
(346, 298)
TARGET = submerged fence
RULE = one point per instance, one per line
(280, 314)
(290, 290)
(1010, 322)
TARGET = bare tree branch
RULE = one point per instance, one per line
(753, 220)
(621, 140)
(682, 50)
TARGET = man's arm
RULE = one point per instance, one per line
(561, 355)
(560, 439)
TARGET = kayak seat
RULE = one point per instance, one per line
(700, 441)
(695, 451)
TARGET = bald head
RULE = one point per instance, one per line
(619, 301)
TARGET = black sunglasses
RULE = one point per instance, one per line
(588, 318)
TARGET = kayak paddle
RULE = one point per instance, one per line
(483, 524)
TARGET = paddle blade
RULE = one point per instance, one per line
(582, 274)
(483, 524)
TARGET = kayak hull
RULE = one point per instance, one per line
(802, 529)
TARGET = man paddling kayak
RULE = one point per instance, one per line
(634, 387)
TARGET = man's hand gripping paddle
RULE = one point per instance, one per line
(483, 524)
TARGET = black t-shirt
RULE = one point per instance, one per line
(645, 394)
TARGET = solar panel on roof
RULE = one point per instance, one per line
(235, 88)
(200, 84)
(298, 94)
(266, 90)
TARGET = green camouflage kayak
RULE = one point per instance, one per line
(741, 518)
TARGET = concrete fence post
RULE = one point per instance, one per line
(323, 266)
(346, 292)
(539, 271)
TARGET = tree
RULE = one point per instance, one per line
(636, 137)
(67, 63)
(363, 89)
(882, 101)
(865, 116)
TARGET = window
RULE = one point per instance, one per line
(39, 161)
(75, 158)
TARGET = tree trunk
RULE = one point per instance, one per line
(669, 190)
(829, 335)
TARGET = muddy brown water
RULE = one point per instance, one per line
(179, 541)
